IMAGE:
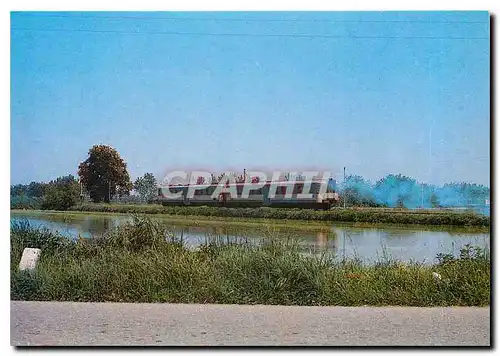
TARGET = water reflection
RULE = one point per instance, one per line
(367, 244)
(380, 244)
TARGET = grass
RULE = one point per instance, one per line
(143, 262)
(352, 215)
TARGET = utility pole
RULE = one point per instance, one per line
(344, 188)
(422, 195)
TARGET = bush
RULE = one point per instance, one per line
(57, 199)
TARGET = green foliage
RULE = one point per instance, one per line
(357, 191)
(147, 187)
(61, 194)
(454, 194)
(25, 202)
(27, 196)
(368, 215)
(434, 200)
(23, 235)
(36, 189)
(467, 253)
(152, 268)
(18, 190)
(104, 174)
(32, 190)
(396, 190)
(139, 234)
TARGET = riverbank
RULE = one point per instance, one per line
(257, 224)
(350, 215)
(135, 263)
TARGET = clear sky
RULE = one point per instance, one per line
(377, 92)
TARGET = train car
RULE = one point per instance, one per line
(273, 194)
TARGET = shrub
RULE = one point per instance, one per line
(61, 194)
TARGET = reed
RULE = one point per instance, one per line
(142, 262)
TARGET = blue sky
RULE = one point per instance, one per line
(377, 92)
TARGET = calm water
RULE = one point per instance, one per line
(369, 244)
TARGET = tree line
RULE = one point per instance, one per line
(402, 191)
(103, 176)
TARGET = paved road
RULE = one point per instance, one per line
(64, 323)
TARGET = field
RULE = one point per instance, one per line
(135, 263)
(351, 215)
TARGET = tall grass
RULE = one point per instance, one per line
(143, 262)
(395, 216)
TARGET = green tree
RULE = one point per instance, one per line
(33, 190)
(146, 186)
(104, 174)
(358, 191)
(36, 190)
(434, 200)
(61, 194)
(18, 190)
(398, 191)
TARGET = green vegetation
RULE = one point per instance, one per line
(143, 262)
(353, 215)
(147, 187)
(396, 190)
(103, 177)
(23, 202)
(59, 194)
(104, 174)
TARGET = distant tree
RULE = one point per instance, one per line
(462, 194)
(33, 190)
(434, 200)
(146, 186)
(398, 190)
(61, 194)
(18, 189)
(358, 192)
(24, 202)
(104, 174)
(36, 190)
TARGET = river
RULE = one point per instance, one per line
(369, 244)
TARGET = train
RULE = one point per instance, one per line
(231, 195)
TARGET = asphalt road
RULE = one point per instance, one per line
(65, 323)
